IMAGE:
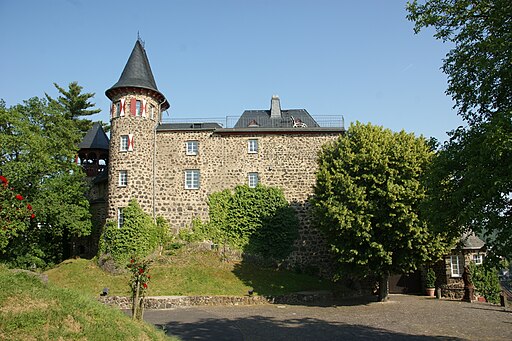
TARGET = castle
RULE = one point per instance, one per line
(171, 168)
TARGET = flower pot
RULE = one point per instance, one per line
(431, 292)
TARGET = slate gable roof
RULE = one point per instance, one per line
(137, 74)
(262, 119)
(95, 138)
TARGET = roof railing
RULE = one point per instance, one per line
(324, 121)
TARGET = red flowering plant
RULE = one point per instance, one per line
(15, 212)
(139, 281)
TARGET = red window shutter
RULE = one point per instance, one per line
(121, 107)
(130, 142)
(112, 110)
(143, 109)
(133, 106)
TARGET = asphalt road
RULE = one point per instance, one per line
(402, 318)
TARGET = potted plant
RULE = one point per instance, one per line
(430, 282)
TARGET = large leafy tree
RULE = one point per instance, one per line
(38, 143)
(367, 197)
(472, 178)
(479, 65)
(75, 104)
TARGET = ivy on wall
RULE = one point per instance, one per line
(255, 220)
(138, 237)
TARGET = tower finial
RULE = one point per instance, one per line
(140, 40)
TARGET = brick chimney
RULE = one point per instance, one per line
(275, 107)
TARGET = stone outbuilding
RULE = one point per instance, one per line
(449, 271)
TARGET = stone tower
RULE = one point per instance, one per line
(135, 113)
(93, 157)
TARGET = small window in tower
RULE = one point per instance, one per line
(192, 147)
(123, 145)
(138, 109)
(151, 111)
(120, 218)
(123, 178)
(118, 109)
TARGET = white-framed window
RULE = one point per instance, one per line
(192, 147)
(456, 265)
(253, 179)
(151, 111)
(478, 259)
(120, 218)
(252, 146)
(118, 109)
(123, 178)
(123, 143)
(138, 108)
(192, 179)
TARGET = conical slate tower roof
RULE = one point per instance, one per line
(95, 138)
(137, 74)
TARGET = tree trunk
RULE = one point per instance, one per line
(384, 287)
(135, 302)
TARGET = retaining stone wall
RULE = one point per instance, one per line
(169, 302)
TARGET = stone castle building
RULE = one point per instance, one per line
(171, 168)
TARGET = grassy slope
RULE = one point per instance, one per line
(187, 273)
(31, 310)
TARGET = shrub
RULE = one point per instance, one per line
(486, 281)
(430, 280)
(139, 236)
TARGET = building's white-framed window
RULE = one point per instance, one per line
(123, 143)
(192, 178)
(478, 259)
(252, 146)
(253, 179)
(120, 218)
(138, 108)
(151, 111)
(118, 109)
(456, 265)
(192, 147)
(123, 178)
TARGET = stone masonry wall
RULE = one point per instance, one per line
(138, 162)
(287, 161)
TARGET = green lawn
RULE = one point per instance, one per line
(187, 272)
(31, 310)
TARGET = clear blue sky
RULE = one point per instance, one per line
(359, 59)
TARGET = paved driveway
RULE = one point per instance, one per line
(402, 318)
